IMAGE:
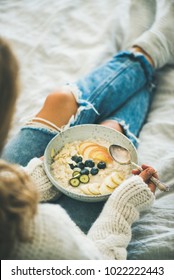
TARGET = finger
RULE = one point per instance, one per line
(136, 171)
(155, 174)
(145, 166)
(151, 186)
(147, 173)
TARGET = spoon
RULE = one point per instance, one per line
(122, 156)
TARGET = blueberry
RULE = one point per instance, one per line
(76, 158)
(72, 166)
(84, 171)
(89, 163)
(80, 159)
(101, 165)
(81, 165)
(94, 171)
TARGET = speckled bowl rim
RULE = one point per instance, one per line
(84, 132)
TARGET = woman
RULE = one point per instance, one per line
(29, 230)
(118, 94)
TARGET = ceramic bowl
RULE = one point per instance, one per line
(84, 132)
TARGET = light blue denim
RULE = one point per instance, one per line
(121, 90)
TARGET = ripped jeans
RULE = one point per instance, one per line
(120, 90)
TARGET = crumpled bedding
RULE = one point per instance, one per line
(59, 41)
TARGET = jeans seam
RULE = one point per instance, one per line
(105, 83)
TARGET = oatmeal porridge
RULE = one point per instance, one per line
(86, 167)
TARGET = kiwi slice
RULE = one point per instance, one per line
(76, 174)
(74, 182)
(84, 179)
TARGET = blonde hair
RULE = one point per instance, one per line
(18, 195)
(9, 88)
(18, 205)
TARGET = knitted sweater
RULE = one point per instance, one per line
(150, 26)
(55, 236)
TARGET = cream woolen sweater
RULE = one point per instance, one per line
(150, 26)
(55, 236)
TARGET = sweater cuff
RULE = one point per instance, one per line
(44, 186)
(133, 191)
(32, 165)
(150, 43)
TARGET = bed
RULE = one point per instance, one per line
(58, 42)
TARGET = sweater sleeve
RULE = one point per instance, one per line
(158, 41)
(45, 188)
(112, 230)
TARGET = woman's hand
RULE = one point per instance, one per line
(146, 174)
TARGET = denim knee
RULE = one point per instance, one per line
(108, 87)
(28, 143)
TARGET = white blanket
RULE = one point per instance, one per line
(58, 41)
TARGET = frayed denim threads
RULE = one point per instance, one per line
(120, 89)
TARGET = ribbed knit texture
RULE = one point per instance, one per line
(112, 231)
(53, 235)
(45, 188)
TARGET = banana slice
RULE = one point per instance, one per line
(91, 189)
(85, 190)
(110, 183)
(104, 189)
(116, 178)
(94, 188)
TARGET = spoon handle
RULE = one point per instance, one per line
(161, 186)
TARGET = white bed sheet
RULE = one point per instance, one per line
(58, 41)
